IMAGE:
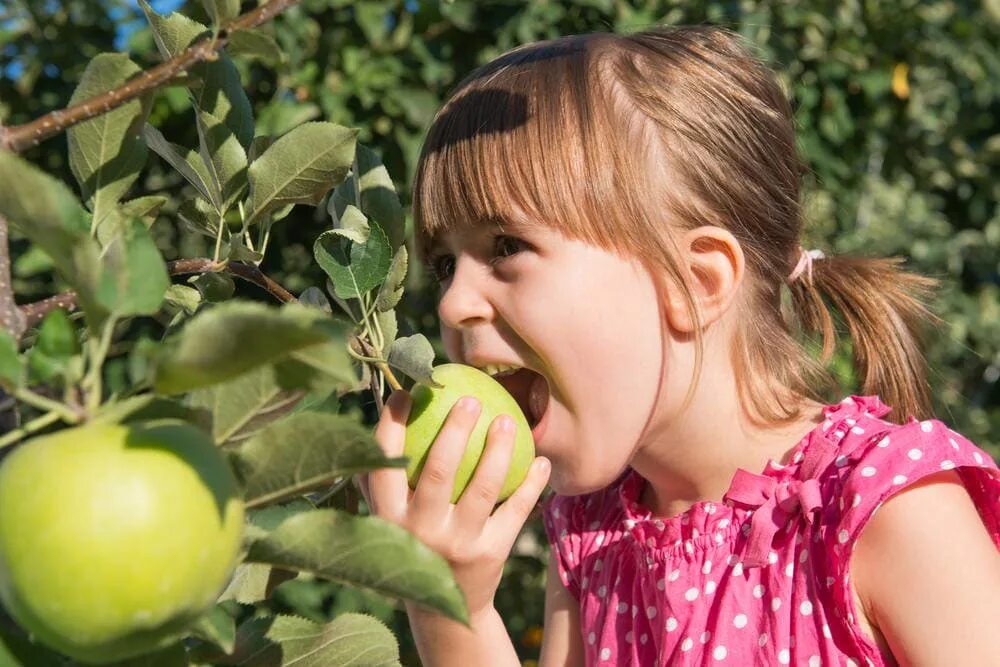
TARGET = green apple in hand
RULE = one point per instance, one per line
(430, 407)
(114, 538)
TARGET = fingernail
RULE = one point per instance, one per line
(543, 464)
(468, 404)
(504, 424)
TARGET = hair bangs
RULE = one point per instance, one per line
(516, 143)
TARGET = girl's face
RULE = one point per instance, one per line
(585, 319)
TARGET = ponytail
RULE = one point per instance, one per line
(884, 308)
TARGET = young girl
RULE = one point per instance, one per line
(618, 217)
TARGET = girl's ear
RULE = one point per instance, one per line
(713, 261)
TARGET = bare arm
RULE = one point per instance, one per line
(442, 641)
(562, 643)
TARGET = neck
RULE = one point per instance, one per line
(691, 455)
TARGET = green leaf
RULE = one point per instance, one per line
(214, 287)
(300, 167)
(331, 360)
(144, 208)
(354, 268)
(188, 163)
(237, 336)
(11, 366)
(302, 453)
(314, 298)
(353, 225)
(387, 323)
(392, 289)
(379, 201)
(183, 297)
(222, 11)
(256, 44)
(134, 277)
(199, 216)
(245, 404)
(248, 584)
(363, 551)
(225, 158)
(216, 86)
(46, 212)
(55, 347)
(238, 252)
(414, 356)
(217, 627)
(106, 153)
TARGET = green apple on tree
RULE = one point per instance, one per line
(114, 538)
(430, 407)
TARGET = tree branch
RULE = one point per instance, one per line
(34, 312)
(21, 137)
(11, 317)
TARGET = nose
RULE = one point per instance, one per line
(463, 303)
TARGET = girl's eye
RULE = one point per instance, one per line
(442, 267)
(506, 246)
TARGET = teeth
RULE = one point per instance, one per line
(496, 370)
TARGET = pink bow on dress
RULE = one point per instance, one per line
(776, 501)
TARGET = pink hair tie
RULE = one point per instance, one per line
(806, 258)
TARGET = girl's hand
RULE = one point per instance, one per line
(473, 538)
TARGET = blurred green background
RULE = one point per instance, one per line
(897, 105)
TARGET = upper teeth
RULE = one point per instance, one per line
(500, 369)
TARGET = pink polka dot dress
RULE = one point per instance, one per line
(761, 578)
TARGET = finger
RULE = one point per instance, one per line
(507, 520)
(387, 486)
(483, 491)
(437, 479)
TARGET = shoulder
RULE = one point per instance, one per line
(916, 533)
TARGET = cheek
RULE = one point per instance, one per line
(452, 342)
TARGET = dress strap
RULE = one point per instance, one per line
(775, 502)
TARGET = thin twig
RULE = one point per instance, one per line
(20, 137)
(11, 317)
(34, 312)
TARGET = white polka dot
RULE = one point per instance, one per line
(605, 653)
(915, 454)
(740, 621)
(709, 508)
(830, 581)
(671, 624)
(758, 591)
(899, 479)
(705, 636)
(709, 588)
(673, 575)
(629, 637)
(635, 610)
(719, 538)
(840, 461)
(661, 584)
(689, 547)
(583, 584)
(926, 426)
(947, 465)
(806, 608)
(783, 656)
(659, 524)
(719, 653)
(790, 569)
(857, 500)
(953, 443)
(884, 442)
(650, 612)
(691, 595)
(643, 638)
(707, 567)
(602, 591)
(600, 539)
(772, 558)
(687, 644)
(814, 661)
(762, 639)
(775, 604)
(978, 457)
(591, 638)
(868, 471)
(843, 536)
(826, 631)
(622, 607)
(803, 556)
(851, 663)
(650, 542)
(738, 570)
(598, 564)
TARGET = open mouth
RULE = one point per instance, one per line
(531, 391)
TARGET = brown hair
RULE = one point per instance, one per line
(622, 141)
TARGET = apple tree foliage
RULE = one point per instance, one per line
(264, 379)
